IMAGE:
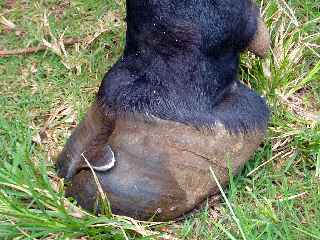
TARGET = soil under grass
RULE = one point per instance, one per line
(43, 95)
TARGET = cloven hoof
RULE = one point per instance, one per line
(151, 167)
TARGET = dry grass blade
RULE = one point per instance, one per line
(100, 190)
(7, 23)
(289, 12)
(300, 195)
(264, 164)
(42, 47)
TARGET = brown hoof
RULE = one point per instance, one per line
(162, 168)
(151, 168)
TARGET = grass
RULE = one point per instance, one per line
(45, 94)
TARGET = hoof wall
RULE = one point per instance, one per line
(157, 170)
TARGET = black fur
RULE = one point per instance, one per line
(181, 63)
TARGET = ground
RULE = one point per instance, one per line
(44, 94)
